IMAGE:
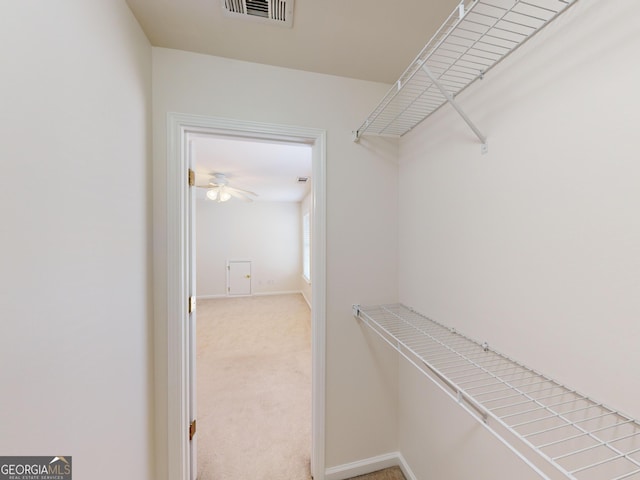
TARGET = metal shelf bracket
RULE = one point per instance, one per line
(474, 38)
(484, 149)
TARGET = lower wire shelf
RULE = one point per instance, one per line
(557, 431)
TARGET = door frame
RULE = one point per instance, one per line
(179, 125)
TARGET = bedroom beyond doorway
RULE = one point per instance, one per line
(254, 387)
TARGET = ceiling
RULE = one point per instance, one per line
(372, 40)
(270, 169)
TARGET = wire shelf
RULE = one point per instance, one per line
(469, 43)
(556, 430)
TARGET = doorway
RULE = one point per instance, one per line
(178, 301)
(253, 345)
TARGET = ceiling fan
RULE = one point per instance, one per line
(219, 190)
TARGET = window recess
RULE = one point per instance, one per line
(557, 431)
(473, 39)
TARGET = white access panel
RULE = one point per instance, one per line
(239, 277)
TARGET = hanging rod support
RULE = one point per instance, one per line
(454, 104)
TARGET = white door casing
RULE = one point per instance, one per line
(179, 338)
(192, 311)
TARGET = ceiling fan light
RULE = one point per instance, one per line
(212, 194)
(218, 190)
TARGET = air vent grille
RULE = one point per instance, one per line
(234, 6)
(275, 12)
(259, 8)
(279, 10)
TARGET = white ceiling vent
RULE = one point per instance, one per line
(275, 12)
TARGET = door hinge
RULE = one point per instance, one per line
(192, 304)
(192, 178)
(192, 430)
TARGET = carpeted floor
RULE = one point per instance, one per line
(393, 473)
(254, 388)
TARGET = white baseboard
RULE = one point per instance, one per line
(406, 470)
(369, 465)
(259, 294)
(306, 299)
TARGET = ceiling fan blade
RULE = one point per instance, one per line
(238, 195)
(240, 190)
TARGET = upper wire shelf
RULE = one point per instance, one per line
(557, 431)
(469, 43)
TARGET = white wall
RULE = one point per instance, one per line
(534, 247)
(305, 207)
(75, 274)
(267, 233)
(361, 204)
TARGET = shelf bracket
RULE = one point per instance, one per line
(484, 148)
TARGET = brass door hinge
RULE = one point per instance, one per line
(192, 304)
(192, 430)
(192, 178)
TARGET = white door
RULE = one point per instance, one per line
(191, 323)
(239, 277)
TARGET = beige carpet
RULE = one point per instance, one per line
(254, 388)
(393, 473)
